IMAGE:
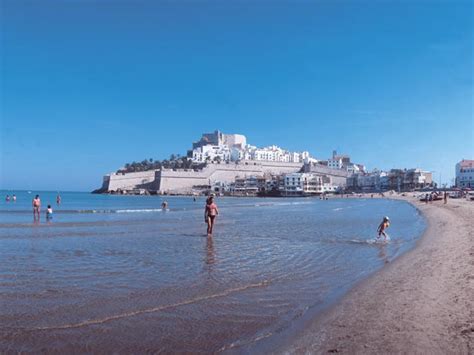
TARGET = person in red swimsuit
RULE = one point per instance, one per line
(210, 214)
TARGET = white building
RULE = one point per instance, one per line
(210, 153)
(306, 184)
(335, 163)
(234, 147)
(353, 168)
(465, 174)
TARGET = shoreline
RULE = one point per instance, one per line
(420, 303)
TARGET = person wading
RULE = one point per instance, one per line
(210, 214)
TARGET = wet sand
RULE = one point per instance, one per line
(423, 302)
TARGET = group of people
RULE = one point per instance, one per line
(210, 213)
(37, 208)
(433, 196)
(8, 198)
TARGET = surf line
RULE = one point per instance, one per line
(263, 283)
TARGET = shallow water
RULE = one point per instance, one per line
(115, 273)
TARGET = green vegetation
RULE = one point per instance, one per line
(174, 162)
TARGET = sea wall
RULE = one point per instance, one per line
(129, 181)
(183, 181)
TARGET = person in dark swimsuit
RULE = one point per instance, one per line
(210, 214)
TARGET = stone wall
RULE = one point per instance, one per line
(129, 181)
(183, 181)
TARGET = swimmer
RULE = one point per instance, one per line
(382, 227)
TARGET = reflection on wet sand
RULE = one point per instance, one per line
(383, 254)
(210, 256)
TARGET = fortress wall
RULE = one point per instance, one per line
(129, 181)
(183, 181)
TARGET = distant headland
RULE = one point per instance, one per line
(227, 165)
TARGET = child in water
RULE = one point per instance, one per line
(384, 225)
(49, 213)
(210, 214)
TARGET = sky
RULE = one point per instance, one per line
(88, 85)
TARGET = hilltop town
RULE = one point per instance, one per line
(226, 164)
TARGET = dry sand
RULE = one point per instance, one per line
(422, 303)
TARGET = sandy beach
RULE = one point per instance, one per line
(420, 303)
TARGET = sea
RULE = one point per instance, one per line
(118, 274)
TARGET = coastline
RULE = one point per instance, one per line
(420, 303)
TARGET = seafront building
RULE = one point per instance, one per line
(307, 184)
(465, 174)
(395, 179)
(291, 184)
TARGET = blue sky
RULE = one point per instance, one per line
(89, 85)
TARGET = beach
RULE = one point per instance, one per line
(422, 302)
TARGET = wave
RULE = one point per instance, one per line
(86, 211)
(89, 322)
(154, 210)
(141, 210)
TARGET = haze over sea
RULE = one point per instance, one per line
(116, 272)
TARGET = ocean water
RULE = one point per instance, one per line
(116, 273)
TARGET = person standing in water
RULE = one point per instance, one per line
(58, 199)
(36, 207)
(382, 227)
(164, 206)
(14, 198)
(49, 213)
(210, 214)
(7, 199)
